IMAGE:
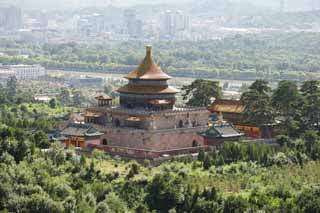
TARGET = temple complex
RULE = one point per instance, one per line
(147, 88)
(232, 112)
(220, 132)
(78, 135)
(147, 123)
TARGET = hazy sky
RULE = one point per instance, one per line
(54, 4)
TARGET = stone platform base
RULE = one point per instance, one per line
(158, 140)
(152, 143)
(147, 154)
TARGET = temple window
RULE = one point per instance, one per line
(195, 143)
(117, 122)
(104, 142)
(180, 124)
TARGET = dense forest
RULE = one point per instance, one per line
(276, 56)
(41, 176)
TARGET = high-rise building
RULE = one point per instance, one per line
(174, 23)
(92, 3)
(133, 25)
(25, 72)
(91, 24)
(314, 5)
(181, 21)
(130, 17)
(167, 23)
(10, 18)
(39, 19)
(282, 5)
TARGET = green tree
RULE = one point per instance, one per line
(12, 86)
(288, 103)
(309, 200)
(134, 170)
(103, 207)
(258, 110)
(70, 205)
(115, 203)
(315, 153)
(235, 204)
(164, 192)
(39, 203)
(311, 111)
(200, 92)
(310, 138)
(3, 96)
(107, 89)
(201, 155)
(53, 103)
(57, 154)
(232, 152)
(77, 98)
(206, 162)
(284, 140)
(40, 138)
(64, 96)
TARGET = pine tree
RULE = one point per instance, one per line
(201, 155)
(206, 162)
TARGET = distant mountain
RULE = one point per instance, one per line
(74, 4)
(226, 7)
(202, 6)
(289, 5)
(287, 20)
(250, 7)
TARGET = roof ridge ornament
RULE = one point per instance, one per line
(149, 50)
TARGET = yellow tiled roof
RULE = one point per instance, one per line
(229, 106)
(148, 69)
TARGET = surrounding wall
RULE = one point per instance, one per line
(171, 120)
(157, 140)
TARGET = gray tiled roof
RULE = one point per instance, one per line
(223, 130)
(80, 130)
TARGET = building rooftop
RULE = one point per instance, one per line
(227, 106)
(222, 130)
(159, 102)
(147, 89)
(93, 114)
(103, 97)
(148, 69)
(143, 111)
(80, 130)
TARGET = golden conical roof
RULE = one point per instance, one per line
(148, 69)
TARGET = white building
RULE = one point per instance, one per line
(24, 72)
(91, 25)
(174, 24)
(132, 24)
(10, 18)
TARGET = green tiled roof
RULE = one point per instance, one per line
(223, 130)
(80, 130)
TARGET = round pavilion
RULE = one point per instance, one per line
(147, 87)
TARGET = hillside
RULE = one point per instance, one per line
(287, 20)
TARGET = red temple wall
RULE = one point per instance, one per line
(165, 121)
